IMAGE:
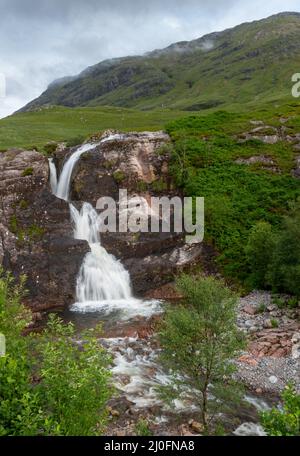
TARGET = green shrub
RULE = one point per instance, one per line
(141, 186)
(49, 384)
(142, 428)
(75, 141)
(159, 185)
(23, 204)
(285, 422)
(27, 172)
(119, 176)
(50, 148)
(259, 251)
(284, 272)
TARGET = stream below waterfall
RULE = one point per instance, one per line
(103, 294)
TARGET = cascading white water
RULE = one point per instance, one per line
(53, 175)
(63, 186)
(102, 283)
(101, 277)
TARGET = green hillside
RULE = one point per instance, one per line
(248, 64)
(35, 129)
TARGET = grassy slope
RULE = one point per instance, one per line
(236, 195)
(60, 124)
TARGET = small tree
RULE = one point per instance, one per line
(199, 341)
(284, 422)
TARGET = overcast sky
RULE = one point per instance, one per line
(41, 40)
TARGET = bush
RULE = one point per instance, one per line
(199, 340)
(27, 172)
(75, 141)
(49, 383)
(284, 272)
(285, 422)
(119, 176)
(259, 251)
(50, 148)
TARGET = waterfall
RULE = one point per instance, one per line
(102, 283)
(63, 186)
(101, 277)
(53, 175)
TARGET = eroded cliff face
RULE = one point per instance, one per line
(35, 231)
(36, 236)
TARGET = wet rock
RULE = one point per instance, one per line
(296, 345)
(296, 170)
(35, 231)
(250, 429)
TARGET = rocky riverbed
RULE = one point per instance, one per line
(272, 358)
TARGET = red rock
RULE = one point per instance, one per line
(247, 359)
(279, 353)
(250, 309)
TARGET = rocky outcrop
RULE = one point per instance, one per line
(137, 162)
(36, 236)
(35, 231)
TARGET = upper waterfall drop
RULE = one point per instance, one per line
(63, 186)
(64, 182)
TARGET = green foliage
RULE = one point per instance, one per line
(49, 384)
(35, 232)
(237, 196)
(119, 176)
(72, 142)
(23, 204)
(261, 308)
(27, 172)
(285, 421)
(50, 148)
(274, 256)
(13, 224)
(274, 323)
(74, 380)
(142, 428)
(285, 266)
(259, 251)
(141, 186)
(199, 339)
(159, 185)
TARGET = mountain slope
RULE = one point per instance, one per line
(248, 63)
